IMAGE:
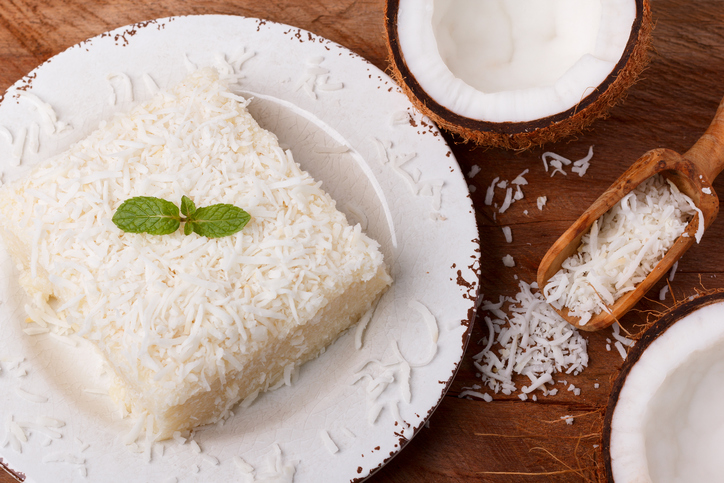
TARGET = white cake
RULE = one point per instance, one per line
(190, 325)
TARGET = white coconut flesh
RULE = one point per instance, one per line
(668, 424)
(512, 60)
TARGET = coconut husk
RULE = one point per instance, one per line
(534, 133)
(587, 465)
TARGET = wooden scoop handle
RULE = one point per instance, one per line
(708, 152)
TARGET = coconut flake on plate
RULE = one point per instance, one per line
(327, 441)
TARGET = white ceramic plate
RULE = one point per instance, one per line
(397, 176)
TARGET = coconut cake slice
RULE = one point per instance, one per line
(190, 325)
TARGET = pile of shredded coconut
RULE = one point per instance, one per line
(531, 339)
(622, 248)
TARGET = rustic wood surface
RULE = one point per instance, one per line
(507, 440)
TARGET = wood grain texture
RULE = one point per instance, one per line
(671, 106)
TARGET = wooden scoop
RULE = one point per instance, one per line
(693, 173)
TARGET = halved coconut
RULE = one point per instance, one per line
(664, 421)
(516, 73)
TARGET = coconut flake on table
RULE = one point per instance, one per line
(557, 162)
(674, 267)
(616, 332)
(575, 390)
(507, 201)
(581, 166)
(551, 156)
(621, 249)
(507, 232)
(480, 395)
(518, 194)
(557, 168)
(520, 180)
(621, 341)
(513, 190)
(528, 338)
(620, 349)
(508, 261)
(491, 192)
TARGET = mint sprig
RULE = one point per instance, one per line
(147, 214)
(156, 216)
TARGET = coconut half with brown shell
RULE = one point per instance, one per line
(664, 421)
(516, 73)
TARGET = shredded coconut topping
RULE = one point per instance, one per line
(179, 311)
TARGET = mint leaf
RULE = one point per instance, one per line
(188, 207)
(147, 214)
(188, 227)
(217, 221)
(155, 216)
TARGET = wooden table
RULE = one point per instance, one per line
(471, 440)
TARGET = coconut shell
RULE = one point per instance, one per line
(534, 133)
(667, 319)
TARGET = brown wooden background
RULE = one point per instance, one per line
(470, 440)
